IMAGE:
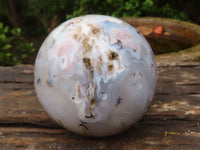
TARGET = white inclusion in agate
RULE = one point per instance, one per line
(95, 75)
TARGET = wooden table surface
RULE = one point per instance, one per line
(171, 122)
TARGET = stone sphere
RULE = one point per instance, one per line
(95, 75)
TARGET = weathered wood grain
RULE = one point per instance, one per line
(171, 122)
(144, 135)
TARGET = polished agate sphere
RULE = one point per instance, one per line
(95, 75)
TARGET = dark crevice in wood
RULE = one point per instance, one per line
(190, 84)
(191, 93)
(161, 93)
(29, 125)
(14, 81)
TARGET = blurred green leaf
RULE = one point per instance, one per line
(2, 37)
(6, 29)
(7, 46)
(16, 31)
(24, 55)
(1, 25)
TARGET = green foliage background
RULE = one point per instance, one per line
(14, 48)
(32, 20)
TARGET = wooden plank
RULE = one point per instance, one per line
(17, 74)
(177, 93)
(149, 135)
(171, 122)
